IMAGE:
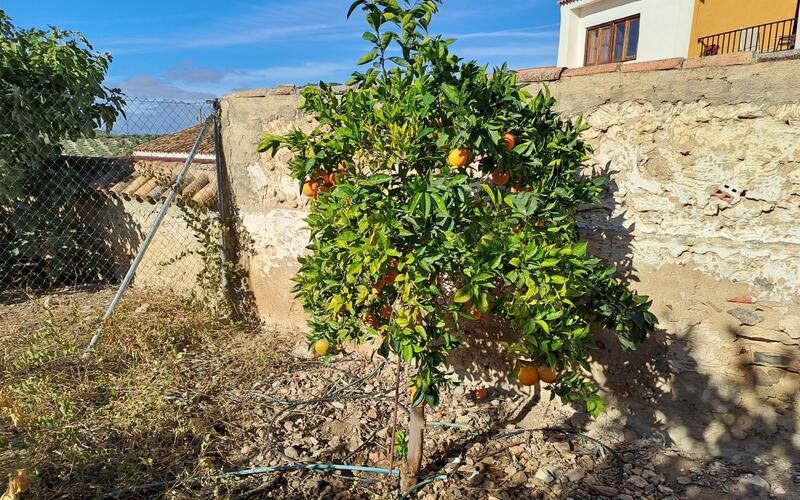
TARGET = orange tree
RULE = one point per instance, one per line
(442, 192)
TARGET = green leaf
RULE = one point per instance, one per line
(440, 204)
(450, 92)
(348, 236)
(377, 179)
(368, 57)
(463, 295)
(579, 250)
(353, 7)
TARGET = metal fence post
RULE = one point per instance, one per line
(146, 243)
(221, 202)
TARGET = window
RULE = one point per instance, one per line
(612, 42)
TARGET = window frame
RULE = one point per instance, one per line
(612, 25)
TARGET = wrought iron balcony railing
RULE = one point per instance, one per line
(769, 37)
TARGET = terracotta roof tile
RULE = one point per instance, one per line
(148, 181)
(179, 142)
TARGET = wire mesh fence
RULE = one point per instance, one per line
(75, 207)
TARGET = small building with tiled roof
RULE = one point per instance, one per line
(177, 146)
(154, 165)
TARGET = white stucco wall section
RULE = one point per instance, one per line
(664, 27)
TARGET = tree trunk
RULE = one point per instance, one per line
(416, 430)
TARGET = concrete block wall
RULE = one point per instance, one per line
(721, 375)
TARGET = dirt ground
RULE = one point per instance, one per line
(177, 404)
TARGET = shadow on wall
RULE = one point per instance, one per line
(59, 233)
(709, 381)
(700, 383)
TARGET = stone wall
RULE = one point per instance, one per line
(722, 264)
(168, 264)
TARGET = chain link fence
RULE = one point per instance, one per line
(74, 211)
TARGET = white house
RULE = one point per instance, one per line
(605, 31)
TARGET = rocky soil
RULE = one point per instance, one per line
(178, 405)
(474, 448)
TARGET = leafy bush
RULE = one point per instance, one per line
(50, 90)
(443, 192)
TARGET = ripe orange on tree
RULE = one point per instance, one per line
(509, 140)
(321, 347)
(528, 375)
(310, 189)
(459, 157)
(547, 374)
(378, 286)
(500, 177)
(372, 320)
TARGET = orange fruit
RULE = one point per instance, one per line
(547, 374)
(528, 375)
(500, 177)
(327, 178)
(310, 189)
(480, 394)
(386, 311)
(459, 157)
(321, 347)
(391, 276)
(510, 140)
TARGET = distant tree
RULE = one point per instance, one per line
(51, 89)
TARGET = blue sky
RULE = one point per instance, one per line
(196, 49)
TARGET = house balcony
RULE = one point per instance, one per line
(769, 37)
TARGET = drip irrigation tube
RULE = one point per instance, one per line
(256, 471)
(421, 485)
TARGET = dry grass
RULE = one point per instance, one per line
(149, 406)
